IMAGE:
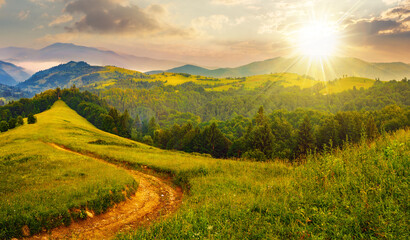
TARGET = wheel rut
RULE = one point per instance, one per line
(155, 199)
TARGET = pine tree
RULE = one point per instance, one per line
(305, 139)
(215, 143)
(152, 126)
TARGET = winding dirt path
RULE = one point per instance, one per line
(154, 199)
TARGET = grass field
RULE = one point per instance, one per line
(361, 192)
(42, 187)
(344, 84)
(110, 76)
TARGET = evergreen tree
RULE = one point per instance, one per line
(124, 125)
(305, 138)
(152, 126)
(214, 142)
(328, 133)
(284, 142)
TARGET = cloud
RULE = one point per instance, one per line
(214, 22)
(119, 16)
(2, 2)
(388, 33)
(232, 2)
(61, 19)
(23, 15)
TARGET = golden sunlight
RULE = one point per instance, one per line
(317, 39)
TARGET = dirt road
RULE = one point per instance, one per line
(155, 198)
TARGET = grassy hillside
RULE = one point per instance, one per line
(344, 84)
(102, 78)
(42, 187)
(361, 192)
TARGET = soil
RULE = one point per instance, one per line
(154, 200)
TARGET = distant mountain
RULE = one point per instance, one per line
(6, 79)
(11, 74)
(64, 52)
(18, 74)
(79, 74)
(59, 76)
(332, 69)
(191, 69)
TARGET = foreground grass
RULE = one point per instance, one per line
(42, 187)
(360, 192)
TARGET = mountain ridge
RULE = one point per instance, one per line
(64, 52)
(11, 74)
(335, 68)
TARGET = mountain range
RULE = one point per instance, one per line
(333, 68)
(330, 69)
(11, 74)
(65, 52)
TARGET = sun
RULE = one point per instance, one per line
(317, 39)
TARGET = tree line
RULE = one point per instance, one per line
(281, 134)
(190, 101)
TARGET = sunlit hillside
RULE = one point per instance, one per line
(97, 78)
(336, 195)
(344, 84)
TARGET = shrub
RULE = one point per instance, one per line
(31, 119)
(4, 126)
(12, 123)
(147, 139)
(255, 155)
(20, 121)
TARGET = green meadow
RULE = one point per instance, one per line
(43, 187)
(360, 191)
(111, 77)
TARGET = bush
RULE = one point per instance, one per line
(20, 121)
(4, 126)
(147, 139)
(31, 119)
(255, 155)
(12, 123)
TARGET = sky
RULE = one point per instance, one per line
(212, 33)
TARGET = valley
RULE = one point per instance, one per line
(218, 119)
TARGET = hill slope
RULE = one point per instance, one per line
(335, 67)
(43, 187)
(59, 76)
(6, 79)
(92, 78)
